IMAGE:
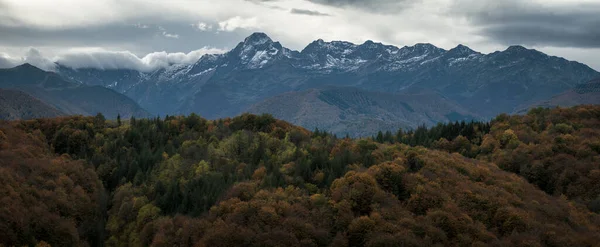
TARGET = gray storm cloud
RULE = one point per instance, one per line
(570, 24)
(308, 12)
(380, 6)
(140, 37)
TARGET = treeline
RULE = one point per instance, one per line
(429, 136)
(258, 181)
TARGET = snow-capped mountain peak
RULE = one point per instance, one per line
(460, 54)
(257, 39)
(257, 51)
(332, 48)
(259, 67)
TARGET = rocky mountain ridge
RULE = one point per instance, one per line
(258, 68)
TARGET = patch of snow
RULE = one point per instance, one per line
(202, 72)
(287, 53)
(114, 84)
(246, 51)
(261, 41)
(513, 63)
(174, 71)
(429, 61)
(312, 66)
(330, 62)
(342, 63)
(453, 61)
(273, 51)
(259, 59)
(415, 59)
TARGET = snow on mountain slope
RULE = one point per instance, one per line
(222, 85)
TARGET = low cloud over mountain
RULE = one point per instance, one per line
(103, 59)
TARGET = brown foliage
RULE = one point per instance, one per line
(45, 197)
(555, 149)
(291, 189)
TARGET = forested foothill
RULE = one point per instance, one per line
(530, 180)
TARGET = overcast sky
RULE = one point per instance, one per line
(152, 33)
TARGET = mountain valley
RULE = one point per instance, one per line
(355, 112)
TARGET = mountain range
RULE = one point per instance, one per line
(375, 81)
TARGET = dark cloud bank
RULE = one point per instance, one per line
(518, 22)
(379, 6)
(308, 12)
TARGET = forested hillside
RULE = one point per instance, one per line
(44, 196)
(16, 105)
(582, 94)
(556, 149)
(257, 181)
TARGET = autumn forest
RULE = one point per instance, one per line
(253, 180)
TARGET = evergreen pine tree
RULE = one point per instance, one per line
(379, 137)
